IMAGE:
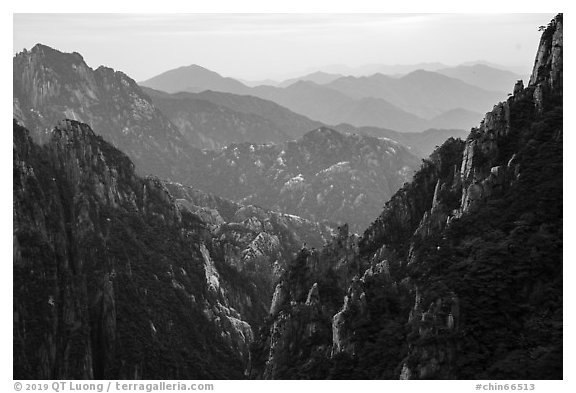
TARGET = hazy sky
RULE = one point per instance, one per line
(259, 46)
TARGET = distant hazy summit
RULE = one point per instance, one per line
(195, 79)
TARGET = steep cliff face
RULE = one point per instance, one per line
(364, 295)
(50, 85)
(254, 241)
(112, 279)
(461, 274)
(494, 273)
(306, 296)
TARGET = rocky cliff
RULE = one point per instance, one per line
(257, 242)
(110, 268)
(50, 85)
(110, 276)
(461, 274)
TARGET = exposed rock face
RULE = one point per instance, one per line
(50, 85)
(353, 311)
(110, 275)
(469, 254)
(305, 299)
(313, 296)
(548, 70)
(78, 191)
(255, 241)
(323, 176)
(278, 299)
(459, 277)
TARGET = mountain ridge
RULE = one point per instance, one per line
(459, 277)
(403, 103)
(320, 176)
(50, 85)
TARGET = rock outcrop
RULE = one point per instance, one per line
(109, 272)
(50, 85)
(257, 242)
(461, 274)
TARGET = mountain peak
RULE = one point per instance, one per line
(41, 47)
(193, 78)
(72, 128)
(45, 51)
(419, 74)
(547, 69)
(323, 132)
(196, 67)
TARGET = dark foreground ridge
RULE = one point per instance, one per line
(460, 277)
(116, 277)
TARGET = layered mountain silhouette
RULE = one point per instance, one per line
(330, 106)
(227, 263)
(483, 76)
(210, 126)
(421, 144)
(424, 93)
(164, 134)
(318, 77)
(411, 103)
(212, 120)
(386, 69)
(458, 118)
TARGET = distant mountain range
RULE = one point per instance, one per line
(332, 107)
(387, 69)
(424, 93)
(323, 175)
(410, 103)
(403, 69)
(458, 118)
(210, 126)
(319, 77)
(484, 76)
(421, 144)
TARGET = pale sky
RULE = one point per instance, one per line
(259, 46)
